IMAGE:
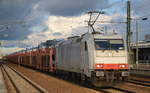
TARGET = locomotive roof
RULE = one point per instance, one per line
(108, 36)
(75, 39)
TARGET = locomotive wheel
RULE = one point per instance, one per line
(97, 83)
(101, 83)
(94, 81)
(125, 78)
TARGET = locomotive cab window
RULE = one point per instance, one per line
(116, 44)
(101, 44)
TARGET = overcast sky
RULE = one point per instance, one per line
(25, 23)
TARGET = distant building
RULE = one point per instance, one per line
(0, 56)
(147, 38)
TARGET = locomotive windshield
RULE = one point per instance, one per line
(116, 44)
(109, 44)
(101, 44)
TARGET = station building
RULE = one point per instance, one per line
(143, 64)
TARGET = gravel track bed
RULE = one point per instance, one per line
(140, 78)
(50, 83)
(22, 85)
(133, 87)
(56, 85)
(9, 86)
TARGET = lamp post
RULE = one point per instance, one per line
(137, 39)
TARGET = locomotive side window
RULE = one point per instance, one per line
(86, 46)
(42, 60)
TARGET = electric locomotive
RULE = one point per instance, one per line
(100, 58)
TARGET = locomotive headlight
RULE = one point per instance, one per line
(122, 66)
(99, 66)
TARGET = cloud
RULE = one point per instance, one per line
(50, 19)
(70, 7)
(5, 50)
(57, 34)
(63, 27)
(36, 12)
(12, 14)
(140, 7)
(15, 9)
(17, 43)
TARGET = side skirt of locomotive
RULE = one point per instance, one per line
(108, 77)
(98, 77)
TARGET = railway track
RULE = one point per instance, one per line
(139, 82)
(131, 86)
(126, 87)
(19, 82)
(112, 90)
(130, 89)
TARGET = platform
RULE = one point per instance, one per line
(140, 69)
(145, 73)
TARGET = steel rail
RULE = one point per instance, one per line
(9, 77)
(115, 90)
(40, 89)
(140, 82)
